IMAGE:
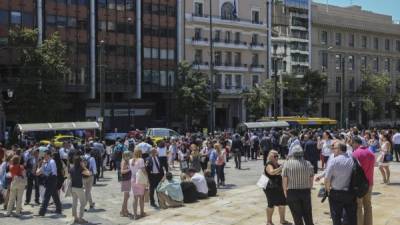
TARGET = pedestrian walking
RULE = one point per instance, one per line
(139, 174)
(17, 176)
(89, 180)
(311, 152)
(384, 158)
(325, 144)
(396, 145)
(237, 149)
(220, 165)
(162, 155)
(77, 172)
(32, 179)
(126, 176)
(155, 173)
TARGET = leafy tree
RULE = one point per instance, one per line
(258, 98)
(39, 92)
(373, 92)
(314, 85)
(192, 93)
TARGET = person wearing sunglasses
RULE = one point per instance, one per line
(274, 190)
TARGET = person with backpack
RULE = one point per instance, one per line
(119, 148)
(88, 180)
(367, 161)
(338, 185)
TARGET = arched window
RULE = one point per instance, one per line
(227, 11)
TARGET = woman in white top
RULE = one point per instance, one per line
(136, 164)
(383, 161)
(325, 144)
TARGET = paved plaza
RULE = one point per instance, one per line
(241, 202)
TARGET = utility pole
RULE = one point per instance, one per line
(342, 100)
(211, 75)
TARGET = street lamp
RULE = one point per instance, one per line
(101, 88)
(130, 83)
(211, 75)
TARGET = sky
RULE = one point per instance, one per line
(388, 7)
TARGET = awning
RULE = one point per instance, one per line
(57, 126)
(257, 125)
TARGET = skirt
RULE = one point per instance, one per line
(275, 197)
(126, 186)
(137, 189)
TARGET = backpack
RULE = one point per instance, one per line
(358, 183)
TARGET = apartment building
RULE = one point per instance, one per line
(239, 36)
(131, 42)
(365, 40)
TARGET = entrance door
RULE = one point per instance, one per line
(221, 116)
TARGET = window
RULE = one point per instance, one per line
(171, 54)
(363, 62)
(338, 84)
(325, 110)
(255, 16)
(110, 26)
(218, 58)
(324, 37)
(103, 25)
(163, 54)
(364, 41)
(3, 17)
(398, 65)
(16, 17)
(27, 19)
(338, 61)
(218, 81)
(324, 61)
(61, 21)
(228, 81)
(398, 45)
(254, 60)
(198, 56)
(197, 33)
(351, 63)
(254, 80)
(50, 20)
(227, 37)
(338, 39)
(351, 40)
(217, 36)
(154, 53)
(171, 78)
(129, 4)
(237, 38)
(238, 59)
(111, 4)
(71, 22)
(198, 9)
(376, 64)
(238, 81)
(376, 43)
(120, 5)
(163, 10)
(228, 59)
(227, 11)
(102, 3)
(163, 78)
(147, 76)
(387, 44)
(254, 39)
(387, 65)
(351, 84)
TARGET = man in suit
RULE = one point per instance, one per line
(311, 152)
(237, 148)
(155, 173)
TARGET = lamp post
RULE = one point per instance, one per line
(211, 125)
(101, 88)
(130, 83)
(342, 100)
(276, 89)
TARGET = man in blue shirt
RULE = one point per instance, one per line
(49, 170)
(169, 192)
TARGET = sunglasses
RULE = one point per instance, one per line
(276, 156)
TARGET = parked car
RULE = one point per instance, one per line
(58, 140)
(158, 134)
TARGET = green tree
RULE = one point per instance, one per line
(373, 92)
(192, 93)
(314, 85)
(39, 92)
(258, 99)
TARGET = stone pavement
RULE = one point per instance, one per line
(241, 203)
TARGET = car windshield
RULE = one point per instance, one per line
(161, 133)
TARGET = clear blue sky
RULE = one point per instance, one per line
(388, 7)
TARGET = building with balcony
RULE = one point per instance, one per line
(364, 40)
(131, 42)
(239, 38)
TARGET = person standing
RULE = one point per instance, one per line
(396, 145)
(266, 146)
(337, 184)
(195, 159)
(77, 172)
(137, 167)
(325, 145)
(126, 176)
(169, 192)
(162, 155)
(32, 179)
(283, 144)
(49, 172)
(298, 177)
(155, 173)
(247, 142)
(119, 148)
(145, 147)
(367, 161)
(220, 165)
(237, 148)
(212, 155)
(383, 161)
(311, 152)
(255, 146)
(18, 181)
(274, 191)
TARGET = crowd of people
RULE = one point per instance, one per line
(186, 169)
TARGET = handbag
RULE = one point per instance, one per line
(388, 157)
(141, 178)
(262, 181)
(126, 176)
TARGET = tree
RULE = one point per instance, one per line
(314, 85)
(192, 93)
(373, 92)
(258, 98)
(39, 91)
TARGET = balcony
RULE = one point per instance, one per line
(199, 41)
(200, 65)
(257, 68)
(298, 27)
(217, 20)
(257, 46)
(231, 44)
(231, 90)
(232, 68)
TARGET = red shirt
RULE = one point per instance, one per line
(16, 170)
(367, 161)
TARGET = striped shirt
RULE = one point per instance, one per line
(298, 173)
(338, 172)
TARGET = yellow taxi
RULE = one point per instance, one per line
(58, 140)
(158, 134)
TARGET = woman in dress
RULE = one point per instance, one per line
(274, 190)
(126, 176)
(195, 157)
(383, 162)
(325, 144)
(204, 155)
(138, 189)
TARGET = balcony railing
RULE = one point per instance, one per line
(233, 19)
(256, 44)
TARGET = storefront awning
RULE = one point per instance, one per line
(260, 125)
(57, 126)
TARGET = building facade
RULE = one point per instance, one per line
(240, 53)
(131, 44)
(365, 40)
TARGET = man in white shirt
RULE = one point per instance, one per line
(396, 144)
(200, 182)
(64, 150)
(146, 148)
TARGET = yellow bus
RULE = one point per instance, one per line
(304, 122)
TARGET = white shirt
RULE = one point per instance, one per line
(326, 147)
(396, 138)
(200, 182)
(63, 153)
(145, 147)
(162, 152)
(155, 163)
